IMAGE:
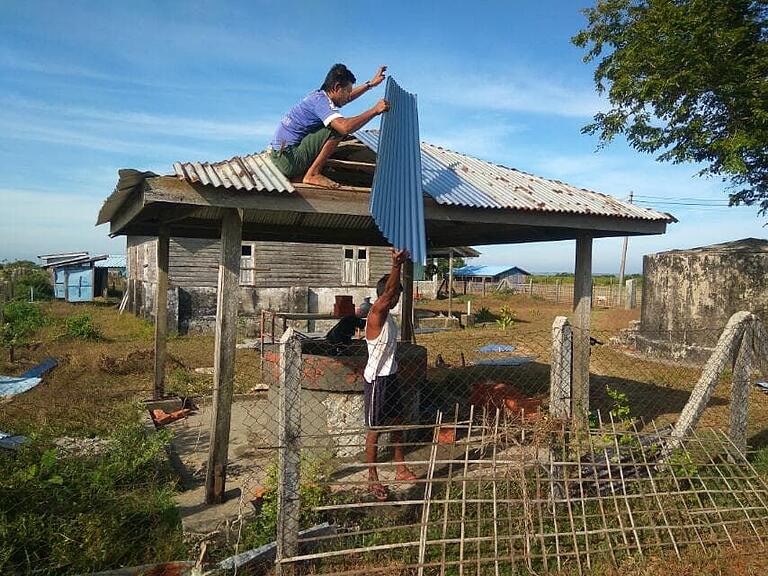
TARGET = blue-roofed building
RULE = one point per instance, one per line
(80, 277)
(478, 274)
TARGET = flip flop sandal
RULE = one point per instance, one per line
(379, 492)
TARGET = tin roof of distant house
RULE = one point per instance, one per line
(488, 271)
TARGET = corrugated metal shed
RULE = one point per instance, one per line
(397, 200)
(252, 172)
(452, 178)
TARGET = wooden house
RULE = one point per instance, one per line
(280, 276)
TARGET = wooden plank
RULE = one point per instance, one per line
(365, 167)
(307, 199)
(224, 355)
(289, 453)
(161, 311)
(582, 310)
(406, 304)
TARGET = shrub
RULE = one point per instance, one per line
(81, 326)
(312, 493)
(25, 275)
(484, 315)
(75, 514)
(20, 321)
(506, 318)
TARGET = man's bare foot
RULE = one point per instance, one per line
(378, 490)
(404, 474)
(320, 181)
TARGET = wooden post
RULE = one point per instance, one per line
(406, 305)
(483, 285)
(530, 286)
(224, 353)
(450, 282)
(559, 283)
(582, 309)
(161, 309)
(289, 453)
(561, 391)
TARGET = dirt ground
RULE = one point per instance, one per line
(97, 382)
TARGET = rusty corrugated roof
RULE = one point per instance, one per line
(252, 172)
(456, 179)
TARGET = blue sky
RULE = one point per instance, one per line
(97, 86)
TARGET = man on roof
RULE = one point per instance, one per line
(310, 132)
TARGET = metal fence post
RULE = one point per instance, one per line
(561, 390)
(289, 457)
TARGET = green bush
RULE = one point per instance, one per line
(20, 322)
(23, 275)
(81, 326)
(68, 514)
(312, 493)
(506, 318)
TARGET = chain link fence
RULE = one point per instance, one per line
(464, 463)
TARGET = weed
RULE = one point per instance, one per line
(506, 318)
(185, 383)
(20, 321)
(82, 327)
(484, 315)
(313, 492)
(77, 514)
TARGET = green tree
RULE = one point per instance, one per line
(688, 79)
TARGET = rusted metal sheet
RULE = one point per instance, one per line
(397, 201)
(252, 172)
(456, 179)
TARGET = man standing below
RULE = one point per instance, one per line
(310, 132)
(383, 395)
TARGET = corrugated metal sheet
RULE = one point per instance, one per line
(253, 172)
(128, 181)
(397, 200)
(457, 179)
(112, 261)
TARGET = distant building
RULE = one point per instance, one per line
(79, 277)
(475, 277)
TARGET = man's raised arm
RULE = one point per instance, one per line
(377, 315)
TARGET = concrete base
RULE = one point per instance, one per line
(671, 350)
(450, 322)
(246, 471)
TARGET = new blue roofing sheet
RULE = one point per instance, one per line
(397, 200)
(486, 270)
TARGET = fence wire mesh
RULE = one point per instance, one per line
(475, 470)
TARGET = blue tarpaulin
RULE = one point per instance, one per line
(496, 348)
(12, 385)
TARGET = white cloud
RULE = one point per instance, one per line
(523, 91)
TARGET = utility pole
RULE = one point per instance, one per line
(624, 258)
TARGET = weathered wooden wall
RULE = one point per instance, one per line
(194, 263)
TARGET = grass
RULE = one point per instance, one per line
(98, 378)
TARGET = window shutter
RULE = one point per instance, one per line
(348, 272)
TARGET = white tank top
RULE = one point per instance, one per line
(381, 352)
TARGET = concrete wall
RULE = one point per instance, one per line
(688, 295)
